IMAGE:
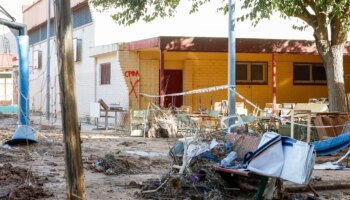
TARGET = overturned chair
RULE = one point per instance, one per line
(139, 122)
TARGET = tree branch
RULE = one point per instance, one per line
(308, 20)
(339, 34)
(306, 16)
(312, 5)
(339, 26)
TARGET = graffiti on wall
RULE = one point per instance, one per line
(134, 80)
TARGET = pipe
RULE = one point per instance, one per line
(161, 80)
(95, 77)
(231, 63)
(274, 84)
(21, 28)
(139, 77)
(48, 62)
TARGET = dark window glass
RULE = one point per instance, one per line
(257, 72)
(318, 73)
(34, 36)
(105, 73)
(52, 28)
(77, 45)
(40, 59)
(43, 32)
(241, 72)
(5, 75)
(301, 72)
(81, 17)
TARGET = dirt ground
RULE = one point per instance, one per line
(37, 170)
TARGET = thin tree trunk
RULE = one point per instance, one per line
(333, 61)
(73, 160)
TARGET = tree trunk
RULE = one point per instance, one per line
(71, 133)
(333, 62)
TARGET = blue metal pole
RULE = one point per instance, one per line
(231, 63)
(24, 131)
(23, 49)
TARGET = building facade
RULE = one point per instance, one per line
(119, 73)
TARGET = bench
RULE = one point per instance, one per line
(110, 108)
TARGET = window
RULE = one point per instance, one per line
(38, 59)
(77, 47)
(250, 73)
(80, 17)
(309, 73)
(34, 36)
(105, 73)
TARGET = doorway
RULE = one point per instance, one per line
(173, 84)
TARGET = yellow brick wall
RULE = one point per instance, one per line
(129, 62)
(149, 82)
(202, 70)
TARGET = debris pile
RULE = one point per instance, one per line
(110, 165)
(18, 183)
(193, 175)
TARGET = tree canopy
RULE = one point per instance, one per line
(131, 11)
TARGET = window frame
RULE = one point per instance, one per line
(249, 74)
(311, 81)
(77, 49)
(110, 73)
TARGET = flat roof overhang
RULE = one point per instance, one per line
(212, 44)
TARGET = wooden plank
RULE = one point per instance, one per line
(233, 171)
(322, 133)
(308, 136)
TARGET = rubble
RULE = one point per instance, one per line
(110, 165)
(18, 183)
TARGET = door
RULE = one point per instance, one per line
(173, 84)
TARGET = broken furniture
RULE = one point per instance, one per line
(286, 108)
(240, 109)
(333, 121)
(318, 100)
(240, 172)
(222, 107)
(308, 125)
(302, 115)
(185, 124)
(139, 122)
(211, 121)
(109, 108)
(186, 109)
(313, 107)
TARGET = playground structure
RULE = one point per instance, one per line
(24, 131)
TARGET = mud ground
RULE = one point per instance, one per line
(36, 171)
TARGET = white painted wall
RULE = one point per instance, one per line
(117, 91)
(84, 74)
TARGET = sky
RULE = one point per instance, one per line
(206, 22)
